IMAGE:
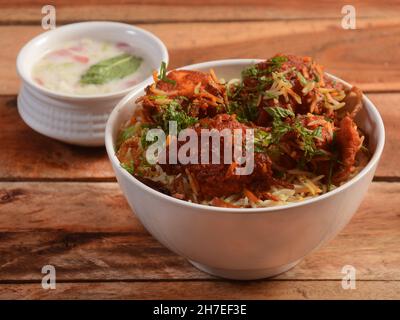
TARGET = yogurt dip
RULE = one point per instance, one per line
(88, 66)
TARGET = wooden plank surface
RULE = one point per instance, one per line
(205, 290)
(29, 155)
(190, 11)
(343, 52)
(59, 204)
(26, 154)
(89, 233)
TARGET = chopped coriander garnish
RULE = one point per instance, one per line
(307, 136)
(261, 74)
(277, 61)
(143, 140)
(237, 89)
(249, 72)
(173, 112)
(279, 127)
(317, 132)
(129, 167)
(244, 111)
(163, 74)
(125, 134)
(262, 140)
(278, 112)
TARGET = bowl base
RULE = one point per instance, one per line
(246, 274)
(61, 123)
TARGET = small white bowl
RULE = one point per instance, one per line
(244, 243)
(77, 119)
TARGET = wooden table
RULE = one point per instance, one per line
(60, 204)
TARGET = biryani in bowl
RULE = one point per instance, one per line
(245, 166)
(305, 139)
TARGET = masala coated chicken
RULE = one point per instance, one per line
(292, 82)
(303, 121)
(219, 179)
(317, 101)
(199, 94)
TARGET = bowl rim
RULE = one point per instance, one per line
(73, 27)
(109, 143)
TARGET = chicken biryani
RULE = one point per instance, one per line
(306, 141)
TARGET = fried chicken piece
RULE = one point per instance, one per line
(216, 180)
(353, 102)
(312, 122)
(185, 82)
(290, 82)
(349, 142)
(203, 96)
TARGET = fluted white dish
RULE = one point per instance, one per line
(78, 119)
(247, 243)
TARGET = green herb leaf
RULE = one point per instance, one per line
(262, 140)
(143, 139)
(129, 167)
(250, 72)
(279, 127)
(317, 132)
(163, 74)
(307, 136)
(173, 112)
(279, 113)
(125, 134)
(277, 61)
(110, 69)
(263, 75)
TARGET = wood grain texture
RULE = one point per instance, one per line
(205, 290)
(29, 155)
(26, 154)
(343, 52)
(389, 108)
(83, 225)
(88, 232)
(190, 11)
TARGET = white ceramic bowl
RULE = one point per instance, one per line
(71, 118)
(244, 243)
